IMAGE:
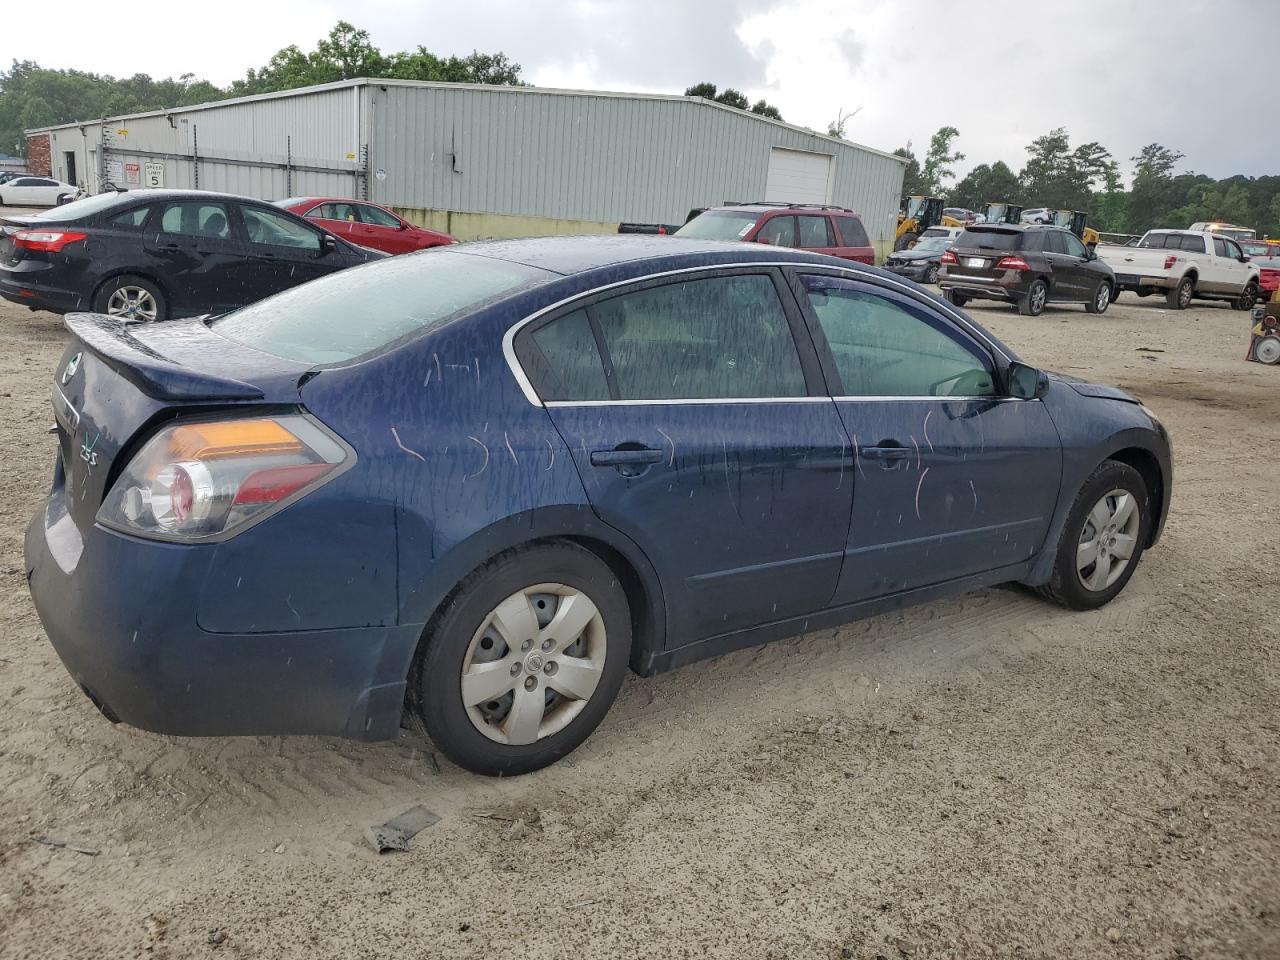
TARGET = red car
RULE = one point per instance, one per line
(365, 223)
(836, 231)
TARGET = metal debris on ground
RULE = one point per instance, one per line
(396, 833)
(68, 845)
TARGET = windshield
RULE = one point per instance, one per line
(358, 310)
(83, 208)
(991, 239)
(914, 205)
(719, 225)
(932, 244)
(1235, 233)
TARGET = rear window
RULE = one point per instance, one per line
(361, 309)
(86, 207)
(991, 239)
(719, 225)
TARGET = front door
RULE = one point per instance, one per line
(950, 479)
(283, 252)
(192, 246)
(382, 231)
(695, 412)
(1084, 279)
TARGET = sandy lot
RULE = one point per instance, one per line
(987, 776)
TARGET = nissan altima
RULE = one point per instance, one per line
(478, 484)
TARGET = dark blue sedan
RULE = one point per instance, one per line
(479, 483)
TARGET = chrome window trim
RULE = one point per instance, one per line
(704, 400)
(526, 387)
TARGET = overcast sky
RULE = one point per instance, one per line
(1122, 72)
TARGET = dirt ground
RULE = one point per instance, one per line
(988, 776)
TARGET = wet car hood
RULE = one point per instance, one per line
(917, 254)
(1100, 390)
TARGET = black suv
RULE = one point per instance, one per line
(161, 254)
(1026, 265)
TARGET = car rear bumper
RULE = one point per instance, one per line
(121, 614)
(1132, 281)
(39, 296)
(988, 288)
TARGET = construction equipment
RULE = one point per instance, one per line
(916, 215)
(1002, 213)
(1073, 220)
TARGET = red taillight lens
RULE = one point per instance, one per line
(268, 486)
(1169, 261)
(1012, 263)
(948, 258)
(46, 241)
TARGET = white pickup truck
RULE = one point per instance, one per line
(1184, 264)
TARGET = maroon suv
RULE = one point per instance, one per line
(836, 231)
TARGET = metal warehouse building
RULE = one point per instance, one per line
(481, 161)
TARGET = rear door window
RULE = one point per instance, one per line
(713, 338)
(1188, 242)
(195, 219)
(815, 232)
(779, 231)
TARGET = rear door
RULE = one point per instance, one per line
(951, 479)
(1234, 273)
(696, 415)
(191, 248)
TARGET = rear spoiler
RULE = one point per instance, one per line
(157, 376)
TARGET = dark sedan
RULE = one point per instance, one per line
(480, 483)
(1026, 265)
(159, 254)
(922, 262)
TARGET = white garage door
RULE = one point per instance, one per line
(796, 176)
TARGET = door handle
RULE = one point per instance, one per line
(625, 458)
(888, 451)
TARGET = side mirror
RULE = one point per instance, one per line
(404, 225)
(1026, 382)
(328, 244)
(1243, 259)
(1091, 254)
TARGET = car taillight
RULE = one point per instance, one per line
(197, 480)
(46, 241)
(1169, 261)
(948, 258)
(1012, 263)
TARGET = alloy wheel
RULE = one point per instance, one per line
(1108, 540)
(132, 303)
(1039, 294)
(1184, 295)
(1103, 298)
(533, 664)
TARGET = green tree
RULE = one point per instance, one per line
(987, 183)
(912, 182)
(733, 98)
(938, 160)
(1153, 195)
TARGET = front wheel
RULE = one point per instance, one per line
(525, 659)
(1031, 304)
(1179, 297)
(1247, 299)
(1103, 539)
(1102, 298)
(931, 275)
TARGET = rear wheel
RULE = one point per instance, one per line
(1103, 539)
(524, 661)
(1031, 304)
(1179, 297)
(1247, 299)
(131, 298)
(955, 299)
(1102, 298)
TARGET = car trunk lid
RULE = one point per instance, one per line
(116, 380)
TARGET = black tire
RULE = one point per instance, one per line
(1031, 303)
(931, 275)
(1179, 297)
(1143, 291)
(435, 685)
(906, 241)
(1065, 586)
(1102, 298)
(1115, 293)
(1248, 299)
(102, 297)
(955, 299)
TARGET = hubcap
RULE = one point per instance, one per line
(1108, 540)
(133, 303)
(533, 664)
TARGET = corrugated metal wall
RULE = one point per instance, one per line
(595, 157)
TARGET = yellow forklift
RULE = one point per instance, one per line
(1001, 213)
(1073, 220)
(918, 214)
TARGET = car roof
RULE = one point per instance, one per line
(292, 201)
(166, 193)
(568, 255)
(761, 207)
